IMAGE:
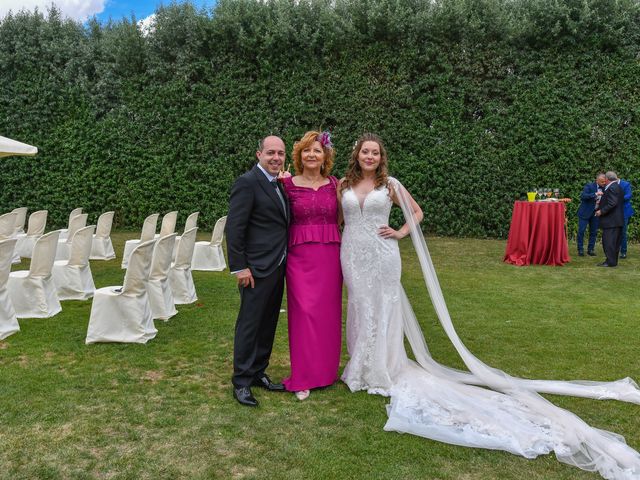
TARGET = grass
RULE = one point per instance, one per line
(164, 410)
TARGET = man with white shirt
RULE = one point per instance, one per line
(256, 232)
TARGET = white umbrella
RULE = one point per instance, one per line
(10, 147)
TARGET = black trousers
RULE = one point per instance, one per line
(611, 241)
(256, 327)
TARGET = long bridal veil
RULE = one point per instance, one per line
(573, 441)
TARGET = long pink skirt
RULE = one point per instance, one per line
(314, 303)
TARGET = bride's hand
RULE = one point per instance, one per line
(386, 231)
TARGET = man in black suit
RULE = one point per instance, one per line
(256, 233)
(611, 213)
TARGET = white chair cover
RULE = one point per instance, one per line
(7, 226)
(208, 256)
(102, 248)
(168, 223)
(148, 232)
(180, 278)
(160, 295)
(64, 246)
(192, 221)
(73, 277)
(21, 217)
(8, 320)
(37, 224)
(123, 314)
(32, 291)
(65, 233)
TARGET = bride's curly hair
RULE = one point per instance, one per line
(353, 176)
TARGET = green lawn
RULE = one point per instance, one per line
(164, 410)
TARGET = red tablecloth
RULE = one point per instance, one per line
(537, 234)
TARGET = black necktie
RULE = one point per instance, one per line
(274, 182)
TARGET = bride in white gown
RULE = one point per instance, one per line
(429, 399)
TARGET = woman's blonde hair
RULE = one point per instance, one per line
(354, 172)
(306, 141)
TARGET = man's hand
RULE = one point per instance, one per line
(245, 278)
(598, 213)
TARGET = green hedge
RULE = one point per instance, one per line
(477, 100)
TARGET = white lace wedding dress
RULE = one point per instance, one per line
(441, 403)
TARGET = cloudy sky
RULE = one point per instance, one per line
(103, 9)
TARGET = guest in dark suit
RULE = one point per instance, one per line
(256, 233)
(628, 213)
(611, 213)
(591, 194)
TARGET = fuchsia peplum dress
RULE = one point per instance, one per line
(314, 286)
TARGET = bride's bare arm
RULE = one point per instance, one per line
(388, 232)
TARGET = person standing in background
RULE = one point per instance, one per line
(628, 213)
(591, 194)
(611, 213)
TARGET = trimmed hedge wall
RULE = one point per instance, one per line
(478, 101)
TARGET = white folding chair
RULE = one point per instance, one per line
(192, 221)
(64, 246)
(7, 225)
(148, 232)
(208, 256)
(123, 314)
(8, 320)
(180, 278)
(37, 224)
(65, 233)
(73, 277)
(32, 291)
(102, 248)
(21, 217)
(160, 295)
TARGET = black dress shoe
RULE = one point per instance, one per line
(591, 253)
(265, 382)
(244, 397)
(581, 254)
(603, 264)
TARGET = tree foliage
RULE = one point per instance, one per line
(477, 100)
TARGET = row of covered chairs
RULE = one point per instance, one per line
(36, 293)
(207, 256)
(12, 226)
(153, 285)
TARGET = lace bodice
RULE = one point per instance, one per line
(314, 213)
(373, 213)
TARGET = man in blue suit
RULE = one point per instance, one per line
(628, 212)
(589, 200)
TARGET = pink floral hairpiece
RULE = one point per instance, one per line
(325, 139)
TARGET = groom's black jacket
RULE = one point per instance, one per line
(256, 226)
